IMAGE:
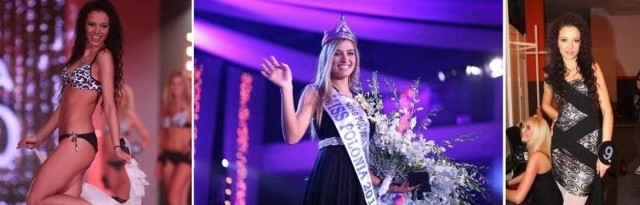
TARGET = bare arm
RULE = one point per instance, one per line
(605, 105)
(295, 124)
(105, 65)
(136, 123)
(547, 102)
(528, 177)
(163, 133)
(607, 114)
(516, 180)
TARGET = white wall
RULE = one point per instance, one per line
(141, 59)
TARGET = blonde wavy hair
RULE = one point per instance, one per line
(322, 83)
(541, 136)
(167, 98)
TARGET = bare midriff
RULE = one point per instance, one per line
(76, 108)
(177, 139)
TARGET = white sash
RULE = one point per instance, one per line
(353, 126)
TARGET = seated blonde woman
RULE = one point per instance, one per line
(537, 181)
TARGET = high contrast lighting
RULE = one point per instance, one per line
(32, 51)
(190, 51)
(243, 48)
(242, 171)
(197, 91)
(189, 65)
(190, 37)
(225, 163)
(473, 70)
(441, 76)
(452, 33)
(496, 68)
(232, 46)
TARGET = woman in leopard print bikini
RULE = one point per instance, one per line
(94, 71)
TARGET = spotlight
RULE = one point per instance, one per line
(190, 37)
(227, 202)
(441, 76)
(227, 191)
(228, 180)
(496, 68)
(189, 65)
(225, 163)
(190, 51)
(473, 70)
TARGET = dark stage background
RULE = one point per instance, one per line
(448, 45)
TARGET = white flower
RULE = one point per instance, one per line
(393, 153)
(413, 122)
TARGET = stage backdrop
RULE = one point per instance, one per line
(241, 157)
(32, 42)
(35, 41)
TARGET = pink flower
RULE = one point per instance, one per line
(400, 199)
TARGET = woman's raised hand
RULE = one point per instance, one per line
(277, 72)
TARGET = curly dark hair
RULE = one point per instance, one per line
(113, 42)
(555, 68)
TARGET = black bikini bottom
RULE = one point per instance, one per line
(89, 137)
(174, 157)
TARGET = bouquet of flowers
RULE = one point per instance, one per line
(398, 148)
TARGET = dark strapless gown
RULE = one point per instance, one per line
(333, 179)
(544, 190)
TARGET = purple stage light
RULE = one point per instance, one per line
(466, 26)
(445, 31)
(433, 10)
(248, 51)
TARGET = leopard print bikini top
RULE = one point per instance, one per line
(179, 119)
(81, 77)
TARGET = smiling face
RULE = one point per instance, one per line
(569, 42)
(343, 60)
(97, 28)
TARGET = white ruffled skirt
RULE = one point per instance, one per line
(137, 178)
(95, 196)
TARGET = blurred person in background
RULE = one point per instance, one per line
(114, 175)
(174, 159)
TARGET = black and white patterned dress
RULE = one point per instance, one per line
(576, 136)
